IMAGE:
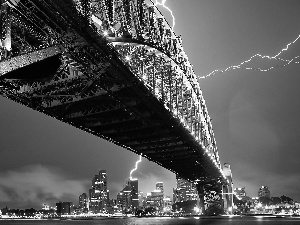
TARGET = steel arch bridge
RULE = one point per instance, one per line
(115, 69)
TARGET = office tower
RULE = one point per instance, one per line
(155, 199)
(83, 202)
(160, 186)
(128, 198)
(64, 208)
(185, 191)
(264, 192)
(240, 193)
(99, 193)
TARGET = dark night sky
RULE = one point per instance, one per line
(255, 115)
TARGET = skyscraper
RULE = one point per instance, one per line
(83, 202)
(99, 193)
(240, 193)
(64, 208)
(185, 191)
(128, 198)
(160, 186)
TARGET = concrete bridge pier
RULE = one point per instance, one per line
(227, 190)
(227, 197)
(200, 189)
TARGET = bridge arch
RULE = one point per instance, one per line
(150, 103)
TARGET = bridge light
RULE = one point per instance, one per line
(96, 20)
(127, 58)
(105, 33)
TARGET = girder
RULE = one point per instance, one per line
(170, 147)
(122, 74)
(132, 129)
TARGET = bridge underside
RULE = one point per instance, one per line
(121, 112)
(75, 75)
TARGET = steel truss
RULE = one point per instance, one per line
(122, 75)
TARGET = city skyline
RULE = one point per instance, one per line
(96, 199)
(254, 114)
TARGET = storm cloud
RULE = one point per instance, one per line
(33, 185)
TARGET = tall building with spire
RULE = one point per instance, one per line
(99, 194)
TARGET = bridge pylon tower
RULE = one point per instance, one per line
(227, 190)
(210, 197)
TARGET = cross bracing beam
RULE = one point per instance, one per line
(160, 146)
(147, 137)
(111, 122)
(98, 111)
(174, 148)
(28, 58)
(166, 141)
(132, 129)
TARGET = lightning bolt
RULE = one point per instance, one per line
(275, 57)
(162, 3)
(136, 165)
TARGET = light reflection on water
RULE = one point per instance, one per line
(163, 221)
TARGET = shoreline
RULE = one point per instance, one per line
(275, 216)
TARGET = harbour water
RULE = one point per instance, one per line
(164, 221)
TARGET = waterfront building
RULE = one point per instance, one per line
(185, 191)
(264, 192)
(167, 204)
(155, 200)
(142, 202)
(83, 202)
(64, 208)
(241, 193)
(45, 207)
(128, 198)
(99, 194)
(160, 186)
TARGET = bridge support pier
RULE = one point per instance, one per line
(227, 190)
(210, 198)
(200, 189)
(227, 196)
